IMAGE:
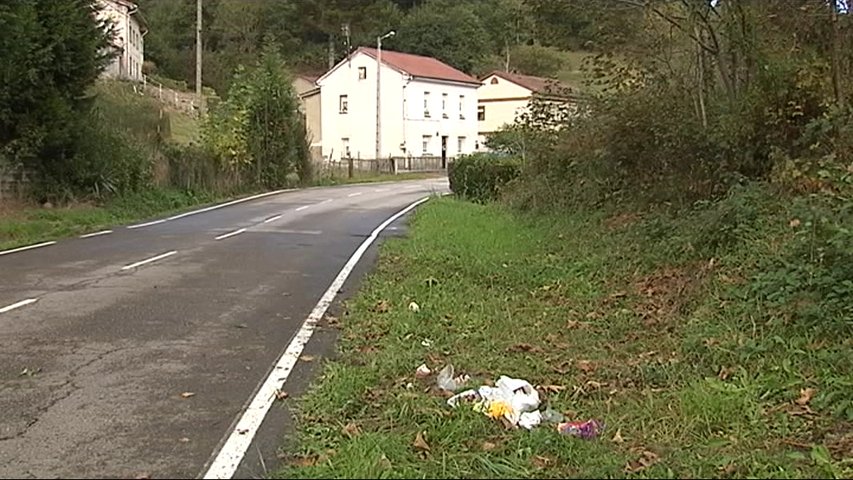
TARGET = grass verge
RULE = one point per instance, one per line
(614, 317)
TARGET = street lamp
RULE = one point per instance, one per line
(378, 94)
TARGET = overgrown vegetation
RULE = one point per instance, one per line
(481, 176)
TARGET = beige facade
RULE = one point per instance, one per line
(129, 29)
(309, 101)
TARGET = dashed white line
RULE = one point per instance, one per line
(97, 234)
(377, 190)
(272, 219)
(325, 201)
(147, 224)
(149, 260)
(231, 234)
(28, 247)
(303, 208)
(22, 303)
(233, 450)
(355, 194)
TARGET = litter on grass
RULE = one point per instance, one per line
(516, 403)
(446, 381)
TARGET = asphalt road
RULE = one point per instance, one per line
(115, 342)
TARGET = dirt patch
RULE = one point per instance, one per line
(663, 293)
(621, 220)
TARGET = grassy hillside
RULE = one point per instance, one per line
(695, 337)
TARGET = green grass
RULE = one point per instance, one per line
(678, 356)
(572, 74)
(28, 225)
(183, 129)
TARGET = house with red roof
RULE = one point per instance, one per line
(504, 97)
(426, 107)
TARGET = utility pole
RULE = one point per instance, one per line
(378, 91)
(198, 51)
(836, 54)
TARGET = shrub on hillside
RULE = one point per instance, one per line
(481, 176)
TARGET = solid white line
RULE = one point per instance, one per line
(272, 219)
(28, 247)
(147, 224)
(355, 194)
(228, 235)
(231, 454)
(97, 234)
(20, 304)
(303, 208)
(149, 260)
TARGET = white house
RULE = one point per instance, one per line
(129, 28)
(428, 107)
(504, 96)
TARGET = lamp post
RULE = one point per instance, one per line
(378, 90)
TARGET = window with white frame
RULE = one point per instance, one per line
(362, 73)
(443, 105)
(460, 144)
(425, 146)
(426, 104)
(462, 107)
(343, 104)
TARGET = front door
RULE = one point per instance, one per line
(443, 152)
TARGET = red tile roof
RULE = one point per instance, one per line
(420, 66)
(540, 85)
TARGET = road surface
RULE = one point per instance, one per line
(101, 336)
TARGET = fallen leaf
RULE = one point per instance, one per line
(646, 460)
(422, 371)
(184, 440)
(586, 366)
(187, 394)
(542, 462)
(619, 294)
(303, 462)
(351, 430)
(241, 325)
(420, 442)
(725, 373)
(806, 395)
(618, 437)
(381, 306)
(524, 347)
(332, 321)
(728, 469)
(794, 223)
(307, 358)
(29, 372)
(281, 395)
(552, 388)
(489, 446)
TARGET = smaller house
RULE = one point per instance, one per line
(129, 29)
(308, 93)
(504, 96)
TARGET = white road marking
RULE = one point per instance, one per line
(325, 201)
(147, 224)
(380, 190)
(97, 234)
(225, 464)
(212, 207)
(300, 232)
(228, 235)
(149, 260)
(272, 219)
(28, 247)
(22, 303)
(303, 208)
(355, 194)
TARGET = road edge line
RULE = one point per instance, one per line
(229, 457)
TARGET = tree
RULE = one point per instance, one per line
(447, 30)
(51, 52)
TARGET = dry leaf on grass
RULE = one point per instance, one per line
(540, 461)
(552, 388)
(303, 462)
(420, 442)
(794, 223)
(332, 321)
(586, 366)
(351, 430)
(489, 446)
(806, 395)
(617, 438)
(524, 347)
(646, 460)
(381, 306)
(725, 373)
(187, 394)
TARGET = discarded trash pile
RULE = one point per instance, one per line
(512, 401)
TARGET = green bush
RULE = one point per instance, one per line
(481, 176)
